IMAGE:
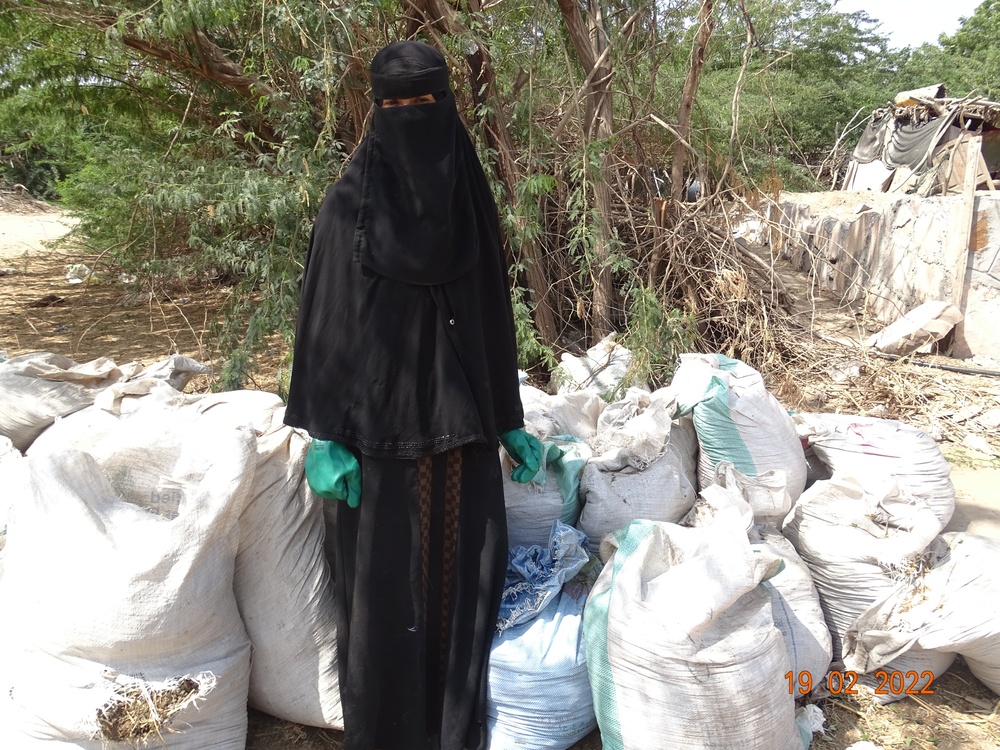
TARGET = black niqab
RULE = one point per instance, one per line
(405, 343)
(417, 222)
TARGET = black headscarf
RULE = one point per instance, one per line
(405, 343)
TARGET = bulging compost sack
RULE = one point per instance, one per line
(948, 606)
(795, 602)
(14, 480)
(538, 690)
(121, 570)
(682, 649)
(644, 472)
(282, 581)
(882, 450)
(765, 496)
(738, 420)
(553, 494)
(602, 368)
(859, 545)
(798, 613)
(574, 414)
(538, 696)
(35, 389)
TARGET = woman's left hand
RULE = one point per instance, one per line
(526, 450)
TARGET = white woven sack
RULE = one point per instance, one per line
(122, 574)
(603, 368)
(538, 695)
(91, 426)
(614, 493)
(765, 495)
(37, 388)
(795, 603)
(574, 414)
(282, 581)
(638, 424)
(176, 370)
(883, 448)
(552, 495)
(858, 546)
(719, 505)
(14, 480)
(950, 607)
(738, 420)
(681, 646)
(796, 606)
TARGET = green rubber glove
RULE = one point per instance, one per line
(333, 473)
(526, 451)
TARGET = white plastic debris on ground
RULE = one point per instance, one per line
(644, 469)
(950, 606)
(281, 580)
(810, 720)
(881, 451)
(924, 324)
(137, 551)
(859, 545)
(77, 273)
(738, 420)
(678, 627)
(602, 369)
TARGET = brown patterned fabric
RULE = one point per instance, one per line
(424, 475)
(452, 500)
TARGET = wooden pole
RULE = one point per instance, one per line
(962, 224)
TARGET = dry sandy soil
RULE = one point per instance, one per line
(41, 311)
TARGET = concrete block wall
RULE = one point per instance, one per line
(891, 253)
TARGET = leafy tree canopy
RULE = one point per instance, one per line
(195, 139)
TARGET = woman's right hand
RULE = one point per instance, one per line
(333, 472)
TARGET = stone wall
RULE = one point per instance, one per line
(890, 253)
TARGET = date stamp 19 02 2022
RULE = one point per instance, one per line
(889, 682)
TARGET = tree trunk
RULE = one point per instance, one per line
(590, 42)
(706, 24)
(440, 16)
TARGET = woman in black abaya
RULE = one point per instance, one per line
(405, 375)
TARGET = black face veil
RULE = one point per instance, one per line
(417, 223)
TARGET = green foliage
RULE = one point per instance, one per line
(208, 213)
(968, 62)
(809, 73)
(531, 350)
(195, 139)
(656, 337)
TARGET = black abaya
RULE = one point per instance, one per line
(405, 352)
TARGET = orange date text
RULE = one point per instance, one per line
(844, 682)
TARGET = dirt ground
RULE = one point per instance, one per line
(40, 310)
